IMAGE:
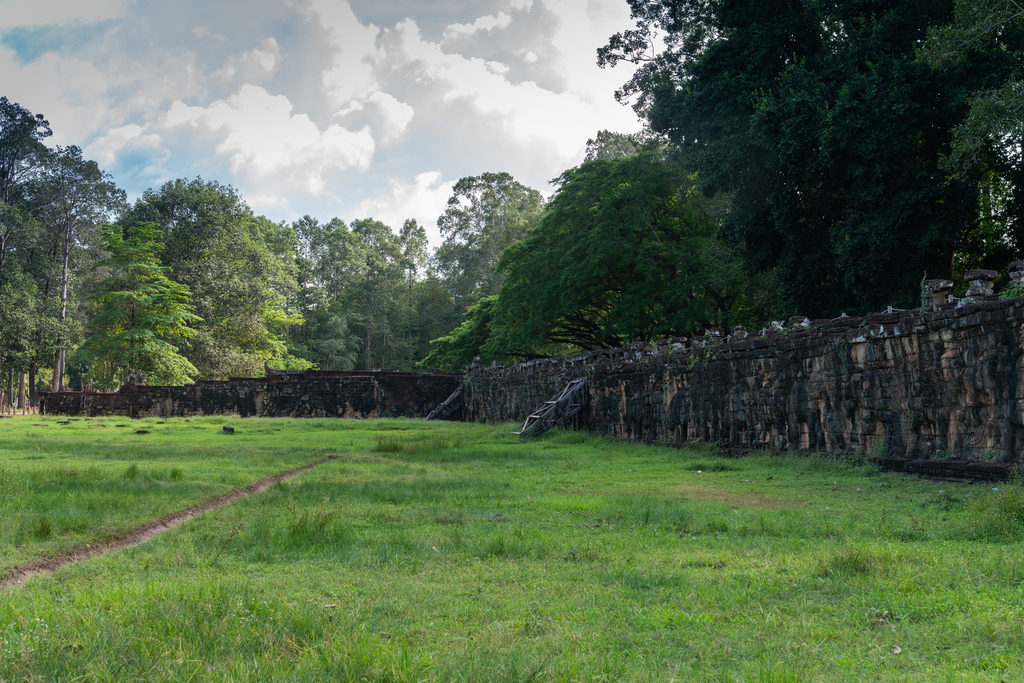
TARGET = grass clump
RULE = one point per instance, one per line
(7, 484)
(857, 560)
(997, 513)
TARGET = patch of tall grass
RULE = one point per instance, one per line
(997, 513)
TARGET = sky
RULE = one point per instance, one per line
(365, 108)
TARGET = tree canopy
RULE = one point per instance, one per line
(140, 312)
(825, 131)
(485, 215)
(626, 249)
(238, 267)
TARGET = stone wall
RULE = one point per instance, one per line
(280, 394)
(943, 384)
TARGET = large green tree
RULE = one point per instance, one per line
(21, 155)
(485, 215)
(364, 297)
(990, 139)
(238, 267)
(73, 198)
(626, 250)
(991, 31)
(140, 313)
(823, 128)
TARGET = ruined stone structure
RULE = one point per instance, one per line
(946, 383)
(939, 383)
(279, 394)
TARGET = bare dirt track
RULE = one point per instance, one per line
(18, 575)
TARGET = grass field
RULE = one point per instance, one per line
(457, 552)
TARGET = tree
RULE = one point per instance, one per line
(383, 267)
(239, 268)
(21, 135)
(459, 347)
(485, 215)
(987, 36)
(329, 261)
(74, 196)
(140, 310)
(611, 145)
(21, 156)
(991, 31)
(823, 129)
(626, 250)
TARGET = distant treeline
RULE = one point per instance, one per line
(810, 158)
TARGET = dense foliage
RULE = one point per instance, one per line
(139, 310)
(485, 215)
(826, 131)
(626, 250)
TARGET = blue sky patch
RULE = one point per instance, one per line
(30, 43)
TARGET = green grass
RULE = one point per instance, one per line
(457, 552)
(64, 483)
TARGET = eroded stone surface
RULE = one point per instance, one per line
(943, 384)
(292, 394)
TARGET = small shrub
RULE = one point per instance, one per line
(132, 473)
(177, 474)
(718, 526)
(1014, 290)
(447, 518)
(879, 450)
(310, 522)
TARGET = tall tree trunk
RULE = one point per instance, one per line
(58, 362)
(369, 323)
(5, 234)
(21, 391)
(9, 397)
(33, 399)
(33, 391)
(408, 323)
(58, 371)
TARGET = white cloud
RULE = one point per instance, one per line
(350, 75)
(396, 115)
(551, 128)
(484, 23)
(256, 62)
(583, 27)
(38, 12)
(266, 55)
(425, 198)
(106, 149)
(265, 141)
(74, 100)
(392, 117)
(162, 92)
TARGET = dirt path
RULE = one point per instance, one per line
(18, 575)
